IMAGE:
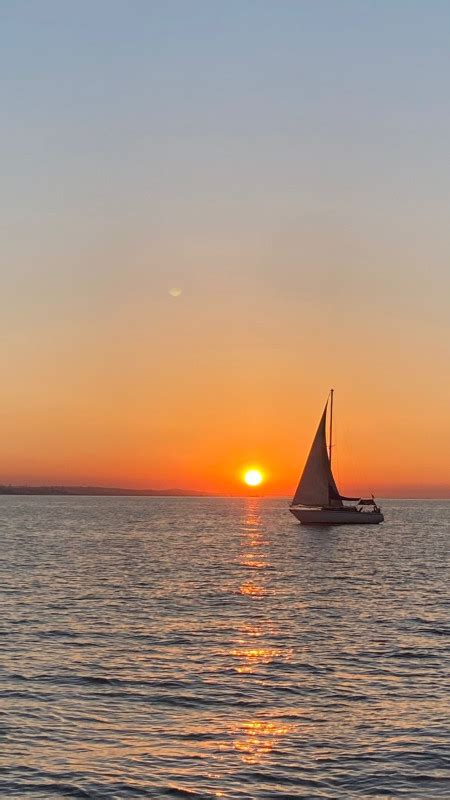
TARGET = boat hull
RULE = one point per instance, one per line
(345, 516)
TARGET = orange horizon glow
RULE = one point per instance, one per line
(117, 415)
(58, 453)
(376, 449)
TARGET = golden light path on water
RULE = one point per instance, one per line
(255, 738)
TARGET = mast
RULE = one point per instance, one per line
(331, 425)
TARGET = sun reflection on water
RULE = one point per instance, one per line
(255, 739)
(252, 589)
(253, 554)
(252, 563)
(256, 646)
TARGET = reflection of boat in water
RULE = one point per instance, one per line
(317, 499)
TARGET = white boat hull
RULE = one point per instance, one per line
(345, 516)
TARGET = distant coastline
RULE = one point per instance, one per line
(99, 491)
(439, 493)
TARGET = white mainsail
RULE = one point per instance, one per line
(317, 486)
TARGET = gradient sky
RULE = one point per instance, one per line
(286, 165)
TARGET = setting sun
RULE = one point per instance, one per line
(253, 477)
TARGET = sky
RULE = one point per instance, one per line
(285, 166)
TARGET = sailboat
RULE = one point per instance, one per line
(317, 499)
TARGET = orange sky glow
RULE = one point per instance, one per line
(180, 413)
(215, 231)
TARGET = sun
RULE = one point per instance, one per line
(253, 477)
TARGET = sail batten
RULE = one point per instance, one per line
(317, 486)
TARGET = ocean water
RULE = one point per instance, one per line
(204, 648)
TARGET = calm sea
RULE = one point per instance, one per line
(171, 648)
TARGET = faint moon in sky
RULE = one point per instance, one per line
(175, 292)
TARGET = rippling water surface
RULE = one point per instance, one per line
(214, 648)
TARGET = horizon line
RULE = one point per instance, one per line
(117, 491)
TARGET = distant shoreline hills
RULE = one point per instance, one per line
(99, 491)
(439, 493)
